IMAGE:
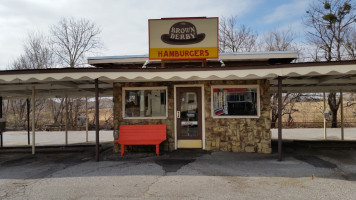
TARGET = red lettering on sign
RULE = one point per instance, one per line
(206, 52)
(196, 53)
(182, 53)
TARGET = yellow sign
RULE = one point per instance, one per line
(183, 38)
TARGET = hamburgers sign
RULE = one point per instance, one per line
(183, 38)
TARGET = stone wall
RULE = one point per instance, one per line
(167, 145)
(237, 135)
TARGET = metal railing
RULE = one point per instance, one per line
(312, 124)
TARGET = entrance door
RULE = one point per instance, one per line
(189, 117)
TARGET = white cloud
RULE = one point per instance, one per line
(287, 11)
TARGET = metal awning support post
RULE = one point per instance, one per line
(28, 119)
(86, 119)
(279, 118)
(33, 119)
(1, 137)
(97, 118)
(342, 114)
(325, 136)
(66, 120)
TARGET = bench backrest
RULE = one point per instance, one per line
(143, 132)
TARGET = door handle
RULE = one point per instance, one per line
(178, 114)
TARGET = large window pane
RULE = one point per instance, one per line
(235, 101)
(145, 102)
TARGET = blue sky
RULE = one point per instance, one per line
(124, 23)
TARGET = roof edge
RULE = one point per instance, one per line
(231, 56)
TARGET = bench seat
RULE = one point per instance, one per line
(152, 134)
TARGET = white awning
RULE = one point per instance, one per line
(80, 82)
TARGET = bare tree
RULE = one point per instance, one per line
(234, 38)
(18, 112)
(69, 41)
(40, 105)
(329, 21)
(38, 53)
(56, 106)
(72, 39)
(22, 62)
(288, 106)
(350, 45)
(281, 40)
(334, 104)
(278, 40)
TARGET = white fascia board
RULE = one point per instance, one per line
(258, 56)
(223, 56)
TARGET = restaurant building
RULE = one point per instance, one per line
(208, 100)
(201, 108)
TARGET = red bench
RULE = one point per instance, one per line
(141, 135)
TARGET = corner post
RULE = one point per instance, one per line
(28, 119)
(279, 118)
(33, 119)
(342, 114)
(1, 133)
(325, 135)
(86, 119)
(66, 120)
(97, 118)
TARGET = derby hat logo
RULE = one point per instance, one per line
(182, 33)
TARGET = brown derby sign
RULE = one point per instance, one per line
(183, 38)
(182, 33)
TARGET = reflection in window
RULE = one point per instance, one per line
(235, 101)
(145, 102)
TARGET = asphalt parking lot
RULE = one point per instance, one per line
(306, 172)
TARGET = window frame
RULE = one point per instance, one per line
(124, 89)
(257, 87)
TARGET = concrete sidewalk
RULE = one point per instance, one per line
(20, 138)
(315, 133)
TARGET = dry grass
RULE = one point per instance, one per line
(312, 112)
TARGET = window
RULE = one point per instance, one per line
(237, 101)
(145, 102)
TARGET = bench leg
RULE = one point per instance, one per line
(122, 149)
(157, 149)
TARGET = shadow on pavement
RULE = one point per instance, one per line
(299, 160)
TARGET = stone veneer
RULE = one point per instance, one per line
(223, 134)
